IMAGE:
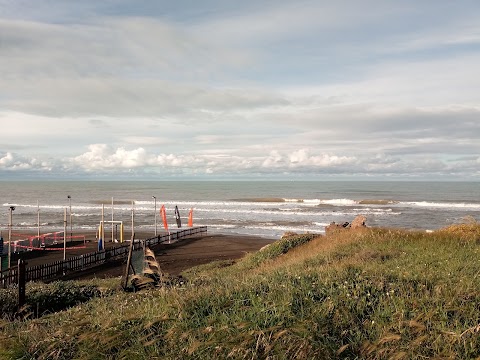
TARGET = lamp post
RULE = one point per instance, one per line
(65, 235)
(70, 205)
(112, 222)
(38, 222)
(155, 213)
(12, 208)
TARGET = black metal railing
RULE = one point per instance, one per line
(79, 263)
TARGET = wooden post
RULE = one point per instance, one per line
(21, 283)
(133, 219)
(129, 262)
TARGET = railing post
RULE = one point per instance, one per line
(59, 268)
(21, 283)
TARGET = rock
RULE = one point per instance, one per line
(358, 222)
(264, 247)
(332, 227)
(288, 234)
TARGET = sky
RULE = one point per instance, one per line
(223, 89)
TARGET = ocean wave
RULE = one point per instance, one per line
(263, 199)
(190, 204)
(443, 205)
(350, 202)
(115, 202)
(223, 226)
(377, 202)
(255, 211)
(285, 212)
(374, 210)
(56, 207)
(277, 228)
(311, 201)
(338, 202)
(321, 224)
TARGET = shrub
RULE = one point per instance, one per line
(45, 298)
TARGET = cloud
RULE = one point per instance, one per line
(115, 67)
(102, 158)
(271, 87)
(14, 162)
(99, 123)
(302, 157)
(287, 20)
(147, 140)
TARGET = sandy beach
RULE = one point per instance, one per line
(173, 258)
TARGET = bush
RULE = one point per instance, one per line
(45, 298)
(276, 249)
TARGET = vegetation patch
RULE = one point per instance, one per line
(373, 294)
(48, 298)
(276, 249)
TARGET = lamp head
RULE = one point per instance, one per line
(12, 208)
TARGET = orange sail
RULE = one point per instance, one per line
(164, 217)
(190, 218)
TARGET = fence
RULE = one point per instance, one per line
(79, 263)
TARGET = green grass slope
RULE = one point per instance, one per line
(370, 294)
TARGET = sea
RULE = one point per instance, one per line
(261, 208)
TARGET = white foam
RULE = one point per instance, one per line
(443, 205)
(312, 202)
(339, 202)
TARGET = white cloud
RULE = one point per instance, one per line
(301, 161)
(15, 162)
(254, 87)
(302, 157)
(147, 140)
(101, 156)
(288, 20)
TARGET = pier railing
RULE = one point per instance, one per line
(76, 264)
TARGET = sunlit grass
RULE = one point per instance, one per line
(372, 293)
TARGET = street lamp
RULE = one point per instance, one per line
(12, 208)
(155, 214)
(70, 205)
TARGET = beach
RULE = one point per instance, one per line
(173, 257)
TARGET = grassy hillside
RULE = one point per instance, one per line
(374, 294)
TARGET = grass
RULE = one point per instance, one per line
(47, 298)
(374, 294)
